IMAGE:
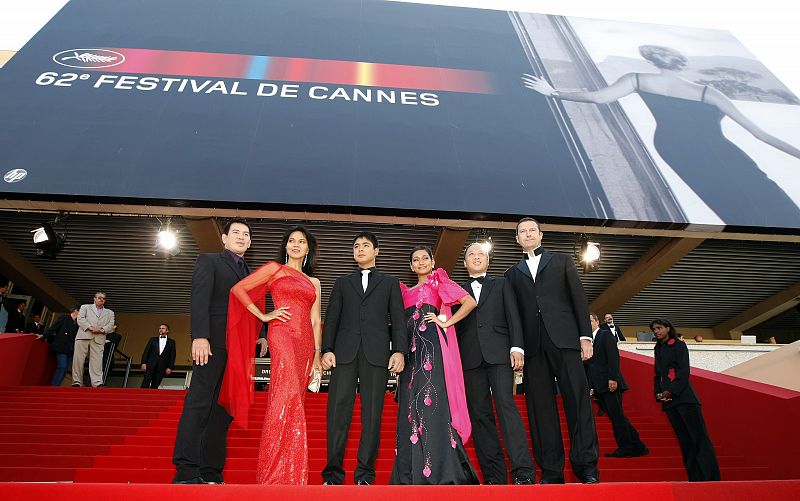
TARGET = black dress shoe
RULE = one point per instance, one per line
(362, 482)
(551, 481)
(195, 480)
(641, 452)
(76, 385)
(619, 453)
(589, 479)
(522, 481)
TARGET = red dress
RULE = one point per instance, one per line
(283, 454)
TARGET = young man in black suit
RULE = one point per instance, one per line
(16, 315)
(555, 312)
(606, 379)
(200, 442)
(356, 346)
(158, 358)
(490, 342)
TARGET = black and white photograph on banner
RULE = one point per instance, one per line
(712, 125)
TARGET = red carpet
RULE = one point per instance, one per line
(114, 435)
(662, 491)
(102, 438)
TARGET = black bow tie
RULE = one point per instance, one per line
(610, 326)
(477, 279)
(536, 252)
(162, 337)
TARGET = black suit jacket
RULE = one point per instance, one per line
(214, 276)
(355, 317)
(672, 373)
(604, 364)
(16, 320)
(491, 329)
(62, 334)
(557, 297)
(151, 356)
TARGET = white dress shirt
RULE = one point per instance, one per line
(477, 286)
(364, 279)
(162, 343)
(533, 262)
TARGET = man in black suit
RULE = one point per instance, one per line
(554, 313)
(490, 342)
(199, 454)
(609, 323)
(606, 379)
(356, 346)
(36, 326)
(158, 358)
(16, 315)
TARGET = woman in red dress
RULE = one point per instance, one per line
(295, 336)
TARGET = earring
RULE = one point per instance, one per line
(305, 260)
(286, 261)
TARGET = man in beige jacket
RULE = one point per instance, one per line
(94, 322)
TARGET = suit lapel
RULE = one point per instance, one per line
(374, 279)
(355, 281)
(488, 284)
(229, 261)
(523, 267)
(544, 261)
(467, 286)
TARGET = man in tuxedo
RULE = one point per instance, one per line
(356, 347)
(608, 383)
(490, 341)
(94, 321)
(199, 454)
(554, 312)
(158, 358)
(16, 315)
(616, 331)
(35, 327)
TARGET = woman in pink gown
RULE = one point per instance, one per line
(294, 338)
(433, 424)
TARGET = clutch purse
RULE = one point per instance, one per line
(316, 381)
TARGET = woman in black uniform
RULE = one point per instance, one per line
(680, 402)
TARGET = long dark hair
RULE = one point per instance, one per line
(311, 261)
(665, 323)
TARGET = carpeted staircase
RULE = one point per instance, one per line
(90, 435)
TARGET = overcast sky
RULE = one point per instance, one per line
(770, 29)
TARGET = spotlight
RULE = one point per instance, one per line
(46, 241)
(589, 254)
(486, 245)
(167, 241)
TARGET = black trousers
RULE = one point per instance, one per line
(203, 428)
(371, 381)
(698, 453)
(482, 385)
(153, 377)
(542, 365)
(625, 433)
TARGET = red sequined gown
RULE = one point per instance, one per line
(283, 453)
